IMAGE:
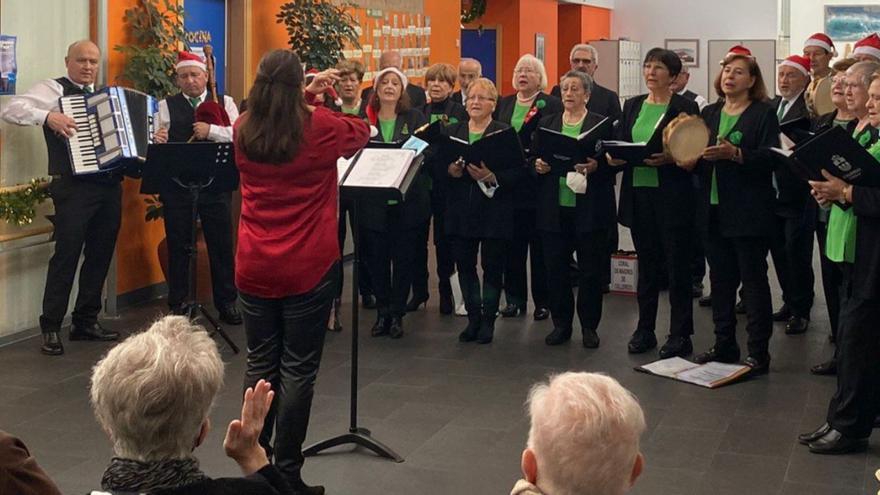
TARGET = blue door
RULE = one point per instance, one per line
(482, 45)
(205, 24)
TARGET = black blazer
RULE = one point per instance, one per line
(823, 122)
(436, 168)
(676, 184)
(866, 273)
(416, 210)
(469, 213)
(602, 101)
(794, 193)
(526, 190)
(745, 191)
(416, 95)
(594, 210)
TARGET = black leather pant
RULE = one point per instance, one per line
(285, 339)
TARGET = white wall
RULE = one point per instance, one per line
(808, 17)
(652, 21)
(44, 29)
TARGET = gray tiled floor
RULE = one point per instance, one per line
(455, 412)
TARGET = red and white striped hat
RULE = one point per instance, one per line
(189, 59)
(822, 41)
(799, 62)
(870, 45)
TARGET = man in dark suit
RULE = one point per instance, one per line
(792, 244)
(469, 69)
(416, 94)
(603, 101)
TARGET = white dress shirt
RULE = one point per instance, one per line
(789, 103)
(218, 134)
(33, 106)
(700, 101)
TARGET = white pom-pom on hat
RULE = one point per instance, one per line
(374, 131)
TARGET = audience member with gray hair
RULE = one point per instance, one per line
(152, 395)
(584, 437)
(603, 101)
(469, 70)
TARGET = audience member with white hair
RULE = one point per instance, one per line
(584, 437)
(152, 395)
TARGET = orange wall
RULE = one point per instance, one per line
(137, 260)
(539, 17)
(578, 24)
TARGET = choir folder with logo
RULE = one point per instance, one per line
(562, 151)
(835, 151)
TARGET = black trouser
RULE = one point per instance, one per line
(590, 248)
(832, 279)
(491, 253)
(87, 218)
(390, 259)
(420, 263)
(856, 402)
(698, 263)
(216, 220)
(442, 249)
(734, 260)
(613, 243)
(526, 244)
(662, 249)
(792, 250)
(364, 284)
(285, 339)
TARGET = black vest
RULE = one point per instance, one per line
(183, 116)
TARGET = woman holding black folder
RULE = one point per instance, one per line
(479, 215)
(657, 201)
(391, 228)
(571, 222)
(736, 207)
(522, 111)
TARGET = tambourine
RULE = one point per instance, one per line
(685, 138)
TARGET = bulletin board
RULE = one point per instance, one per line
(380, 30)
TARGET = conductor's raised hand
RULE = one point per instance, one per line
(587, 168)
(63, 125)
(541, 166)
(242, 437)
(323, 81)
(456, 168)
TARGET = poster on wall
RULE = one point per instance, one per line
(8, 66)
(205, 24)
(688, 50)
(851, 22)
(540, 53)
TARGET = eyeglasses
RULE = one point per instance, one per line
(481, 98)
(524, 70)
(585, 61)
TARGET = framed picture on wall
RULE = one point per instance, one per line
(688, 50)
(851, 22)
(539, 47)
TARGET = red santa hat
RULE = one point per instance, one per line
(822, 41)
(869, 45)
(189, 59)
(737, 51)
(802, 64)
(403, 79)
(331, 91)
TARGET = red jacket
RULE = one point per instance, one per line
(287, 233)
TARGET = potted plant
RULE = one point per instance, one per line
(318, 30)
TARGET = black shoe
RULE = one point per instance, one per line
(728, 355)
(512, 310)
(783, 314)
(381, 327)
(697, 289)
(559, 335)
(705, 301)
(469, 334)
(487, 329)
(415, 302)
(835, 442)
(337, 324)
(806, 438)
(92, 332)
(447, 306)
(591, 338)
(758, 366)
(395, 330)
(641, 341)
(541, 313)
(676, 346)
(368, 301)
(229, 314)
(827, 368)
(796, 325)
(52, 345)
(300, 488)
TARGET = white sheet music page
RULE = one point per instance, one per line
(378, 167)
(669, 367)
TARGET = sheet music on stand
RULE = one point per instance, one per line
(381, 172)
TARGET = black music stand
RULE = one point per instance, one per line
(193, 167)
(357, 435)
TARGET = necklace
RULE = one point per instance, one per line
(526, 100)
(578, 121)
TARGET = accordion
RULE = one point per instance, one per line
(114, 127)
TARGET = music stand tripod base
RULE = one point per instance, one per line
(192, 310)
(360, 437)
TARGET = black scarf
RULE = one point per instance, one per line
(126, 475)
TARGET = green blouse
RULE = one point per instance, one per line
(519, 116)
(646, 123)
(351, 111)
(728, 122)
(567, 197)
(473, 137)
